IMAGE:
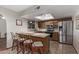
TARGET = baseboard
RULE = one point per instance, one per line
(5, 49)
(75, 49)
(2, 38)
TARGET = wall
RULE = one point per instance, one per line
(10, 21)
(23, 28)
(75, 34)
(11, 27)
(11, 17)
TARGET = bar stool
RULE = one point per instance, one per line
(14, 38)
(28, 44)
(38, 47)
(20, 45)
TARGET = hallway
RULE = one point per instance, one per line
(2, 44)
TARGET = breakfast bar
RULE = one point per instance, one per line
(43, 37)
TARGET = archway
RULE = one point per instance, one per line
(3, 32)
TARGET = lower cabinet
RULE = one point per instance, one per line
(55, 36)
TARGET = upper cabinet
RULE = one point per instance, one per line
(41, 24)
(44, 24)
(54, 22)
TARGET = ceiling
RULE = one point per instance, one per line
(16, 8)
(30, 11)
(58, 11)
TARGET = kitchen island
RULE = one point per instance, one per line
(43, 37)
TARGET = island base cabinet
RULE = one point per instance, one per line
(45, 42)
(55, 36)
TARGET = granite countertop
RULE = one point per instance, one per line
(56, 30)
(42, 35)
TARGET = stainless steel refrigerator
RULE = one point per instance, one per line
(66, 32)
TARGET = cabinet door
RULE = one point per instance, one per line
(55, 36)
(39, 24)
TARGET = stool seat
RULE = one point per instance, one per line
(21, 39)
(28, 41)
(27, 45)
(38, 47)
(37, 44)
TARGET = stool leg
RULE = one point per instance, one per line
(32, 51)
(30, 47)
(17, 47)
(41, 50)
(23, 49)
(12, 45)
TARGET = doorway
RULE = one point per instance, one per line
(3, 32)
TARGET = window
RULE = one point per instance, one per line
(31, 24)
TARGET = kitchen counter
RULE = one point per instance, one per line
(44, 38)
(39, 37)
(56, 30)
(45, 30)
(42, 35)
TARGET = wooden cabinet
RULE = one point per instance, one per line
(39, 24)
(55, 36)
(43, 24)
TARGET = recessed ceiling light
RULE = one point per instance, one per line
(3, 17)
(45, 17)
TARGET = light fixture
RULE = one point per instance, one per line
(45, 17)
(2, 17)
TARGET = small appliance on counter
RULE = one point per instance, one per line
(50, 30)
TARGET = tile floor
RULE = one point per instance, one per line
(58, 48)
(2, 43)
(55, 48)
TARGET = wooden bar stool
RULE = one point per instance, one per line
(20, 45)
(37, 47)
(28, 44)
(14, 38)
